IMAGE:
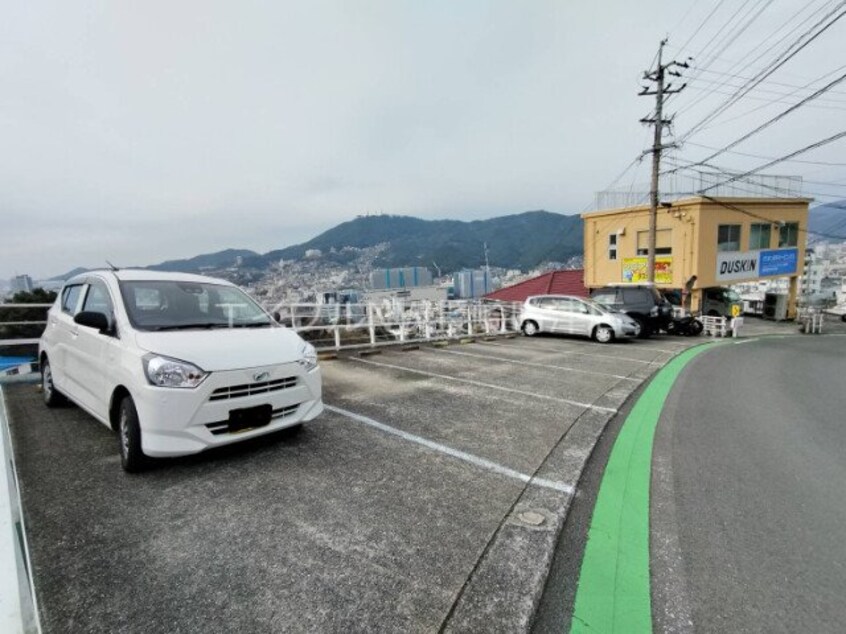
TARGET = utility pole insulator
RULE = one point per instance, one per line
(661, 92)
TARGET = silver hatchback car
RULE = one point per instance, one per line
(571, 315)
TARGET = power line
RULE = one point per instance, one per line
(702, 24)
(776, 38)
(781, 191)
(777, 95)
(773, 83)
(807, 148)
(791, 51)
(730, 35)
(775, 119)
(760, 156)
(757, 108)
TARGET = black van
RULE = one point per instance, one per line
(641, 302)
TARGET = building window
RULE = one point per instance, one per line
(759, 236)
(728, 238)
(663, 242)
(788, 234)
(612, 246)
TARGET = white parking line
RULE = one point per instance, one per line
(681, 348)
(489, 386)
(580, 354)
(528, 363)
(455, 453)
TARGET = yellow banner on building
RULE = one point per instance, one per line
(634, 269)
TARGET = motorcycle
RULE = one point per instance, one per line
(685, 326)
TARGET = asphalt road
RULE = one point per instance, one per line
(398, 510)
(749, 493)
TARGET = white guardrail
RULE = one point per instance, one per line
(18, 607)
(26, 324)
(340, 326)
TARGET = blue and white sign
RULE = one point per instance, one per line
(734, 266)
(779, 262)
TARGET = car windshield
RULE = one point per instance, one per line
(175, 305)
(598, 307)
(732, 296)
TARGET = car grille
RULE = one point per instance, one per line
(222, 427)
(248, 389)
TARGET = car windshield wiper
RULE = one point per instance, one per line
(261, 324)
(207, 325)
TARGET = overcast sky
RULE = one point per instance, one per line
(150, 130)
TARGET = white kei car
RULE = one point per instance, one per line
(175, 363)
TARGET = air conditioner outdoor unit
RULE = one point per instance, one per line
(775, 306)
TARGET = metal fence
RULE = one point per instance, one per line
(21, 324)
(339, 326)
(684, 185)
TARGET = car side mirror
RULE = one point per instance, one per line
(276, 316)
(91, 319)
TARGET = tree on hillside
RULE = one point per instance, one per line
(36, 296)
(20, 330)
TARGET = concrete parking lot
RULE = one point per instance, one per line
(428, 497)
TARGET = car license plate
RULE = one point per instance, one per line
(249, 417)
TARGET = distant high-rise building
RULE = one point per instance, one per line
(408, 277)
(815, 271)
(472, 283)
(21, 283)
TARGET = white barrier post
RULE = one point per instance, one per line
(402, 324)
(370, 327)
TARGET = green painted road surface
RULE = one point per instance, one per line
(614, 585)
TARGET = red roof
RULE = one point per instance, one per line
(569, 282)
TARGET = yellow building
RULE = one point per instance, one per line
(721, 241)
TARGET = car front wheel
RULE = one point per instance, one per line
(132, 459)
(645, 329)
(603, 334)
(52, 398)
(530, 328)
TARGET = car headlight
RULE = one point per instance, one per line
(308, 356)
(166, 372)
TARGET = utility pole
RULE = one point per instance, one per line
(661, 92)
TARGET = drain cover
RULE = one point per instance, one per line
(531, 518)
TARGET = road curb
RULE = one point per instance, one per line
(504, 590)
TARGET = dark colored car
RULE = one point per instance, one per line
(642, 303)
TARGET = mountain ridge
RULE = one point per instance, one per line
(828, 221)
(522, 241)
